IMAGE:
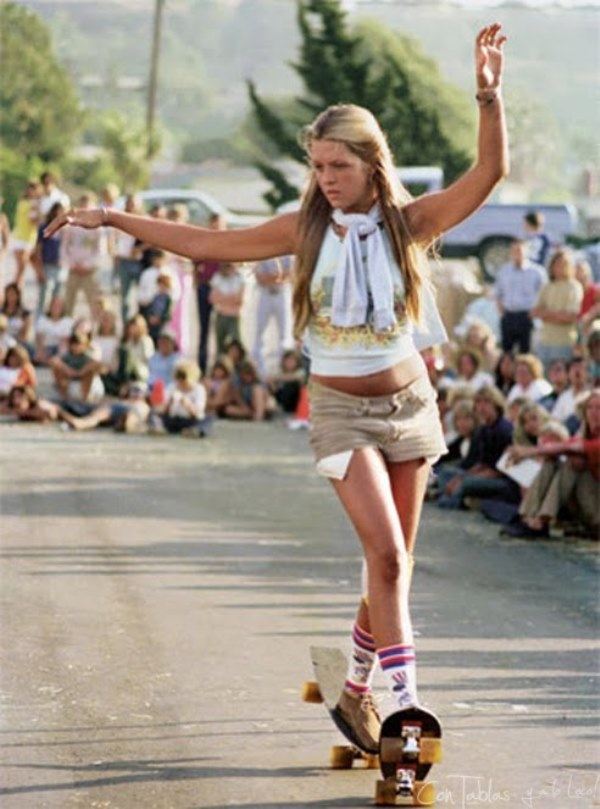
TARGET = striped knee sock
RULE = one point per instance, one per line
(362, 662)
(400, 672)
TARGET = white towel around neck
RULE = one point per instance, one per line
(352, 282)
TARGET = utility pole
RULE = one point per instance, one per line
(153, 81)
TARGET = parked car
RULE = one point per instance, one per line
(200, 205)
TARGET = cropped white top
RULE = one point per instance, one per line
(361, 350)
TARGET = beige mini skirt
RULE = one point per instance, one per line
(404, 425)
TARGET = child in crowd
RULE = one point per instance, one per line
(75, 365)
(250, 398)
(24, 404)
(161, 365)
(107, 340)
(18, 317)
(128, 415)
(46, 260)
(52, 332)
(219, 386)
(17, 359)
(226, 296)
(185, 408)
(287, 384)
(148, 287)
(133, 355)
(537, 241)
(158, 311)
(6, 340)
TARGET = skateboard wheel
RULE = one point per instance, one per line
(341, 757)
(431, 750)
(385, 792)
(424, 794)
(311, 692)
(392, 749)
(371, 761)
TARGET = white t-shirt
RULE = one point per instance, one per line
(123, 243)
(227, 284)
(108, 345)
(48, 200)
(197, 396)
(54, 332)
(479, 380)
(566, 405)
(538, 389)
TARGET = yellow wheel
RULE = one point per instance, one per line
(431, 750)
(385, 792)
(392, 749)
(341, 757)
(424, 794)
(311, 692)
(371, 761)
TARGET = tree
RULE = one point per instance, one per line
(378, 70)
(40, 114)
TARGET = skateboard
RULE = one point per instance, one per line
(409, 744)
(330, 666)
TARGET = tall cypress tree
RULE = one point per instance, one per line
(337, 66)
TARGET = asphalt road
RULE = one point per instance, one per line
(159, 597)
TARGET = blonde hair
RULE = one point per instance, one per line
(189, 370)
(359, 131)
(521, 437)
(565, 254)
(532, 362)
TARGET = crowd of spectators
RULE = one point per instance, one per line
(518, 383)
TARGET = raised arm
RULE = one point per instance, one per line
(276, 237)
(432, 214)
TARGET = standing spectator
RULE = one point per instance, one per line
(590, 304)
(158, 311)
(558, 308)
(538, 243)
(184, 271)
(517, 289)
(108, 198)
(127, 263)
(559, 379)
(19, 318)
(566, 404)
(205, 272)
(24, 233)
(529, 379)
(51, 194)
(144, 251)
(226, 296)
(491, 440)
(52, 332)
(82, 252)
(47, 260)
(148, 288)
(274, 301)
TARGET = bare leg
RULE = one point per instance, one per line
(21, 259)
(367, 497)
(96, 417)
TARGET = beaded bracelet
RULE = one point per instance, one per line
(485, 97)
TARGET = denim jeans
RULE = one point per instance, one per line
(501, 488)
(51, 286)
(129, 270)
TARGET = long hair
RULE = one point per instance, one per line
(359, 131)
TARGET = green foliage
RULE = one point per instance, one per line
(15, 171)
(427, 121)
(39, 111)
(282, 191)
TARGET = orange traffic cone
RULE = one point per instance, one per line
(303, 407)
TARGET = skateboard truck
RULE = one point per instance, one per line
(411, 734)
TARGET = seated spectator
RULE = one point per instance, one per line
(219, 386)
(161, 365)
(52, 332)
(593, 347)
(469, 374)
(505, 373)
(513, 410)
(482, 479)
(481, 338)
(570, 484)
(530, 422)
(23, 403)
(226, 297)
(250, 398)
(237, 354)
(185, 408)
(158, 311)
(565, 407)
(6, 340)
(106, 339)
(559, 379)
(529, 379)
(133, 356)
(17, 358)
(18, 317)
(460, 455)
(286, 385)
(558, 307)
(128, 415)
(456, 394)
(76, 365)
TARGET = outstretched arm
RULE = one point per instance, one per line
(432, 214)
(276, 237)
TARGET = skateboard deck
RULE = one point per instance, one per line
(410, 743)
(330, 666)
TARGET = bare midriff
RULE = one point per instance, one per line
(382, 383)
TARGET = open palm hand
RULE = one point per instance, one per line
(489, 57)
